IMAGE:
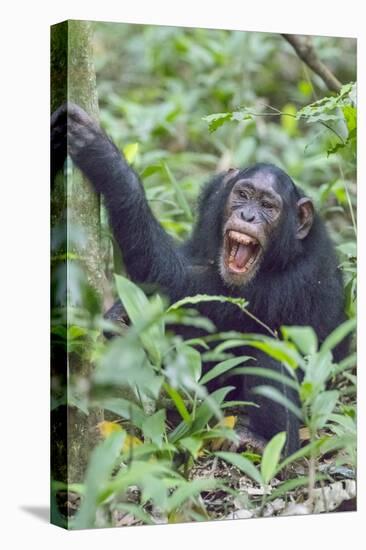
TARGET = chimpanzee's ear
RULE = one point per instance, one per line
(230, 174)
(305, 210)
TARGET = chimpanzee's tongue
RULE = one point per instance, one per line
(242, 255)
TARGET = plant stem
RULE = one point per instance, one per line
(348, 199)
(272, 332)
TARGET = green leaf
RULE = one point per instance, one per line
(183, 367)
(350, 115)
(147, 451)
(304, 451)
(181, 199)
(328, 108)
(288, 119)
(317, 371)
(147, 475)
(347, 422)
(240, 302)
(197, 342)
(338, 335)
(154, 427)
(74, 332)
(125, 363)
(191, 318)
(243, 464)
(278, 397)
(271, 456)
(238, 403)
(222, 367)
(307, 390)
(281, 351)
(226, 345)
(130, 152)
(322, 408)
(192, 444)
(189, 490)
(150, 170)
(216, 120)
(193, 360)
(178, 402)
(127, 410)
(101, 464)
(209, 408)
(304, 338)
(292, 484)
(179, 432)
(348, 248)
(153, 489)
(76, 400)
(244, 114)
(137, 306)
(347, 363)
(134, 300)
(305, 87)
(268, 373)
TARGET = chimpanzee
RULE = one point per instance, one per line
(257, 236)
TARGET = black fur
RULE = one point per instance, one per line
(298, 282)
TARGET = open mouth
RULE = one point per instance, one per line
(242, 251)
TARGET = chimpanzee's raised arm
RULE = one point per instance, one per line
(149, 254)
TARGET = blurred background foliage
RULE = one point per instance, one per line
(156, 84)
(183, 104)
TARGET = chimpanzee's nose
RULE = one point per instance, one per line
(247, 216)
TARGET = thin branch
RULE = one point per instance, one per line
(272, 332)
(306, 52)
(282, 113)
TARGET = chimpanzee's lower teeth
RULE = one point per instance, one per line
(234, 250)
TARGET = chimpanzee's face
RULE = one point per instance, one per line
(263, 214)
(252, 212)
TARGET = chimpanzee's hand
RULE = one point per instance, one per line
(87, 144)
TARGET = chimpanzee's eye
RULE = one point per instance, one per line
(266, 204)
(243, 195)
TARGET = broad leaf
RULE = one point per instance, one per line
(223, 367)
(102, 462)
(322, 408)
(271, 456)
(243, 464)
(304, 338)
(154, 427)
(278, 397)
(138, 307)
(341, 332)
(190, 490)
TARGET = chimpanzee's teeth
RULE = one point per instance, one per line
(242, 238)
(234, 250)
(237, 239)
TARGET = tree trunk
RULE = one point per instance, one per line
(75, 209)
